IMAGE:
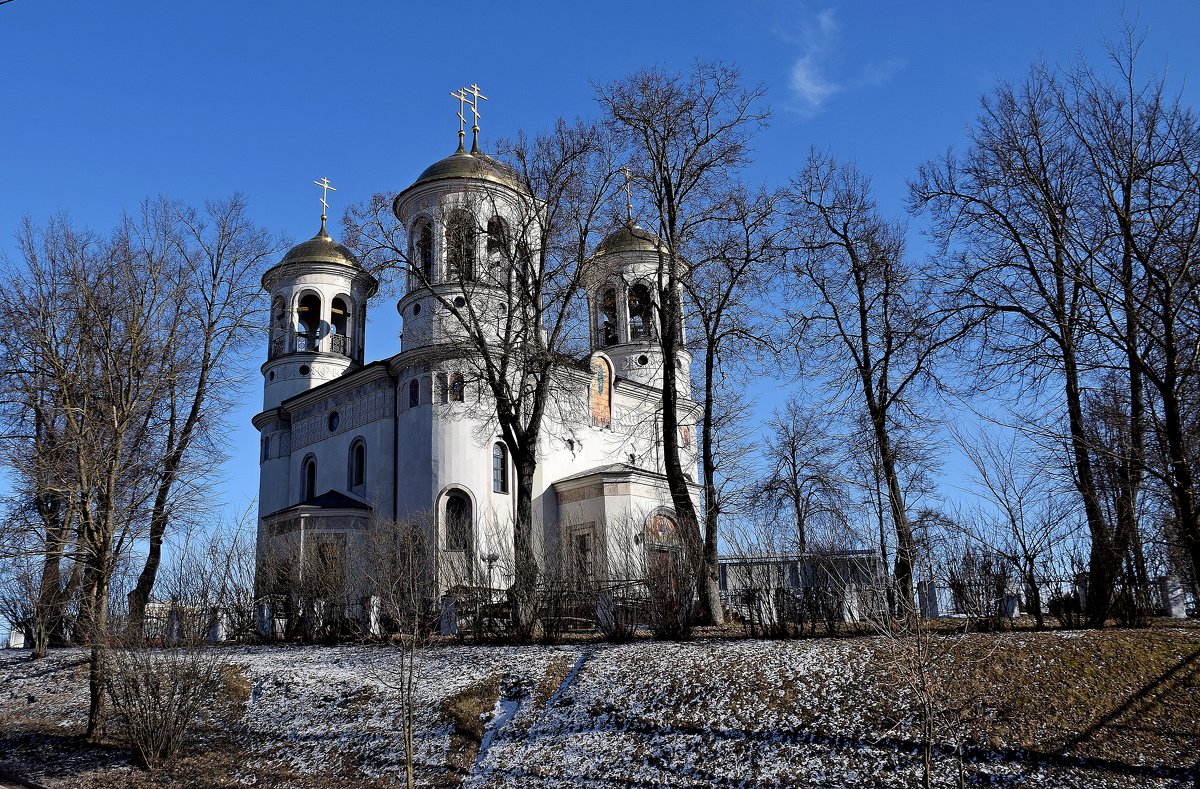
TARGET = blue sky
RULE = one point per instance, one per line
(108, 102)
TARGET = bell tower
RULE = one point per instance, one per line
(318, 317)
(622, 290)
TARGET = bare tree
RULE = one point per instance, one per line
(870, 318)
(740, 254)
(399, 576)
(802, 482)
(686, 137)
(1030, 518)
(216, 260)
(92, 389)
(1016, 200)
(1141, 145)
(1078, 205)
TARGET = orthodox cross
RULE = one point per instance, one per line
(326, 188)
(468, 97)
(461, 95)
(475, 97)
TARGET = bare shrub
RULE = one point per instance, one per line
(158, 696)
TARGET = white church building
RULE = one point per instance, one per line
(349, 444)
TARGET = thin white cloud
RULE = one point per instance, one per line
(814, 78)
(810, 83)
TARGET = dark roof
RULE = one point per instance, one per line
(329, 500)
(612, 468)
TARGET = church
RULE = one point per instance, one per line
(349, 445)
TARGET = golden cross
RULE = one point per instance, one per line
(326, 188)
(476, 95)
(461, 95)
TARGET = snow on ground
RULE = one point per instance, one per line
(744, 713)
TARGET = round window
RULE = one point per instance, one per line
(334, 420)
(304, 369)
(416, 310)
(643, 360)
(459, 301)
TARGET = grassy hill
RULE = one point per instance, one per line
(1114, 708)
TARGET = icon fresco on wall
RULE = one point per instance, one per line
(601, 393)
(662, 530)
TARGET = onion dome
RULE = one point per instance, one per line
(462, 164)
(630, 237)
(320, 248)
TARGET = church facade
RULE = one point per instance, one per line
(350, 445)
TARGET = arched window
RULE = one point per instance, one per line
(309, 479)
(358, 464)
(278, 326)
(497, 239)
(360, 334)
(500, 468)
(641, 316)
(606, 320)
(339, 314)
(266, 453)
(458, 521)
(423, 233)
(460, 246)
(456, 387)
(414, 393)
(308, 317)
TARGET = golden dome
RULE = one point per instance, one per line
(462, 164)
(630, 237)
(320, 248)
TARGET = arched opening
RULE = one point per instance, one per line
(641, 316)
(663, 555)
(458, 521)
(606, 319)
(443, 388)
(497, 240)
(308, 319)
(414, 393)
(339, 322)
(309, 479)
(361, 333)
(278, 326)
(456, 387)
(423, 249)
(358, 464)
(500, 468)
(266, 448)
(460, 246)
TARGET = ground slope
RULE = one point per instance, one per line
(1087, 709)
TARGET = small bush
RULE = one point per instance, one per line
(1066, 608)
(158, 695)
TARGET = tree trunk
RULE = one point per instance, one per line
(98, 660)
(711, 608)
(524, 588)
(1103, 562)
(681, 499)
